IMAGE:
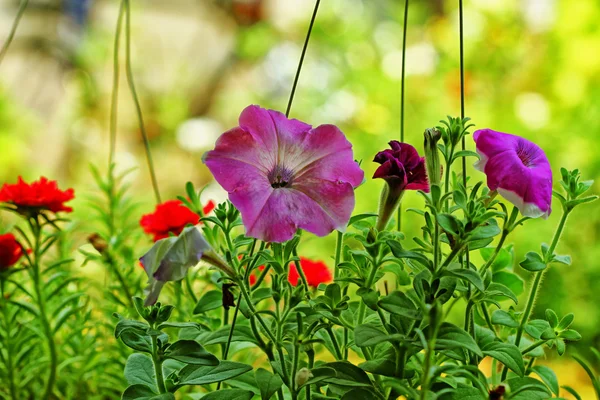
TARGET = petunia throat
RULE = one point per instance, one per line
(280, 177)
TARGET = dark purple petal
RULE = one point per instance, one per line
(402, 168)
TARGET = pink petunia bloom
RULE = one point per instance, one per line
(517, 169)
(283, 175)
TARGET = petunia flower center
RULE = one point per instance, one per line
(280, 177)
(525, 156)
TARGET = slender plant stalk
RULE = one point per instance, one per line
(160, 380)
(402, 84)
(115, 89)
(136, 100)
(35, 272)
(295, 84)
(8, 342)
(338, 254)
(536, 284)
(13, 29)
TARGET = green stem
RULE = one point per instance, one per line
(301, 271)
(429, 353)
(8, 344)
(311, 363)
(136, 100)
(497, 250)
(36, 277)
(13, 29)
(157, 361)
(338, 352)
(486, 316)
(402, 84)
(369, 283)
(338, 254)
(533, 346)
(536, 283)
(310, 27)
(115, 89)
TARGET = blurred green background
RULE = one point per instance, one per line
(532, 68)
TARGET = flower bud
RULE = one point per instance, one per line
(302, 376)
(432, 156)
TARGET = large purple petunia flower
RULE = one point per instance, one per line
(283, 175)
(517, 169)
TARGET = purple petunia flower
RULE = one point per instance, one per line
(517, 169)
(283, 175)
(402, 167)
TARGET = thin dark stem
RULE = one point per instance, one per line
(136, 100)
(235, 313)
(312, 22)
(402, 93)
(13, 29)
(115, 89)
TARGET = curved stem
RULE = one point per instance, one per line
(312, 22)
(136, 100)
(115, 90)
(533, 346)
(13, 29)
(497, 250)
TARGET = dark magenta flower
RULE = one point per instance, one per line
(403, 169)
(170, 258)
(283, 175)
(517, 169)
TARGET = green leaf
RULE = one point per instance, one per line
(566, 260)
(347, 374)
(465, 153)
(399, 252)
(548, 377)
(452, 337)
(399, 304)
(570, 334)
(369, 335)
(466, 274)
(536, 327)
(503, 259)
(528, 389)
(240, 334)
(139, 370)
(449, 223)
(464, 393)
(229, 394)
(380, 366)
(355, 218)
(500, 292)
(359, 394)
(267, 382)
(203, 374)
(319, 374)
(501, 317)
(141, 392)
(507, 354)
(533, 262)
(566, 321)
(552, 318)
(485, 231)
(211, 300)
(190, 352)
(137, 341)
(510, 280)
(572, 392)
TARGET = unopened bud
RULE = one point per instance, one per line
(302, 376)
(432, 156)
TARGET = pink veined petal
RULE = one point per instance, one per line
(490, 142)
(319, 144)
(337, 166)
(259, 123)
(239, 145)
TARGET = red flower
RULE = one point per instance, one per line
(10, 251)
(171, 217)
(37, 196)
(316, 272)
